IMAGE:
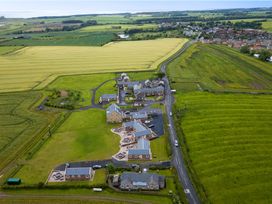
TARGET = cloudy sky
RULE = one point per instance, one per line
(31, 8)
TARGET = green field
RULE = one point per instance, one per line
(79, 138)
(267, 25)
(225, 136)
(37, 66)
(8, 49)
(229, 143)
(118, 27)
(19, 124)
(63, 39)
(220, 68)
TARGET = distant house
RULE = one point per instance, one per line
(114, 114)
(141, 181)
(107, 98)
(142, 150)
(78, 174)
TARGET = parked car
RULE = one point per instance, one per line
(151, 126)
(176, 143)
(97, 166)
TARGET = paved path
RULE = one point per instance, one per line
(177, 157)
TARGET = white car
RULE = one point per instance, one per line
(186, 190)
(176, 143)
(170, 114)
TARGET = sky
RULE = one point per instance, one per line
(34, 8)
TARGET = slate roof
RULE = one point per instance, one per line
(142, 148)
(78, 171)
(114, 108)
(139, 180)
(139, 115)
(157, 89)
(109, 96)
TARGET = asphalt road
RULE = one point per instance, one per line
(177, 157)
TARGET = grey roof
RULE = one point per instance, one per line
(142, 148)
(129, 84)
(139, 115)
(140, 129)
(138, 152)
(157, 89)
(139, 177)
(143, 144)
(142, 133)
(109, 96)
(78, 171)
(113, 108)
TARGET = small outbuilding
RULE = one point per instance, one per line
(14, 181)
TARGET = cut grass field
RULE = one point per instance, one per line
(118, 27)
(79, 138)
(226, 137)
(35, 67)
(219, 68)
(229, 143)
(19, 123)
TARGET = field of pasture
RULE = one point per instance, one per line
(19, 124)
(35, 67)
(229, 144)
(219, 68)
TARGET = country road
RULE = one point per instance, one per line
(177, 157)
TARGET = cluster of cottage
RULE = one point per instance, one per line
(137, 91)
(135, 134)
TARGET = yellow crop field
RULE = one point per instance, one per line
(35, 67)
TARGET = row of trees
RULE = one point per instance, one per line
(264, 54)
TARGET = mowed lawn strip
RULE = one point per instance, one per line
(230, 144)
(37, 66)
(84, 136)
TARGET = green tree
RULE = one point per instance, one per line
(264, 55)
(245, 49)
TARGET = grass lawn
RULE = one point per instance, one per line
(215, 67)
(83, 136)
(37, 66)
(229, 143)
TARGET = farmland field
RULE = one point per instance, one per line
(35, 67)
(19, 123)
(219, 68)
(63, 39)
(229, 143)
(225, 136)
(8, 49)
(117, 27)
(267, 25)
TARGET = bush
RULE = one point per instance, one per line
(245, 49)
